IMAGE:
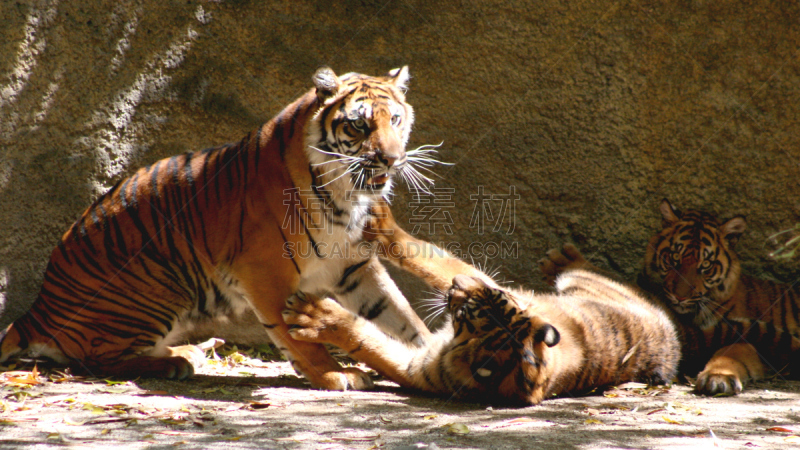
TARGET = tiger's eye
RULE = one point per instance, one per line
(395, 119)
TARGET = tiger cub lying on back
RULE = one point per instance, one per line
(510, 345)
(728, 321)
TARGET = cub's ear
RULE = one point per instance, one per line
(669, 214)
(733, 229)
(547, 334)
(327, 84)
(400, 77)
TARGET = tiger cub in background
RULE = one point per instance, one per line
(510, 345)
(294, 205)
(691, 263)
(728, 321)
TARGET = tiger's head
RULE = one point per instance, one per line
(500, 350)
(693, 259)
(359, 134)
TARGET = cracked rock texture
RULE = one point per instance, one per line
(589, 112)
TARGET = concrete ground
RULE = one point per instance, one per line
(238, 402)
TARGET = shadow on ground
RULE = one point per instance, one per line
(254, 404)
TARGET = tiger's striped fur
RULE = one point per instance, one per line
(691, 262)
(510, 345)
(238, 226)
(727, 354)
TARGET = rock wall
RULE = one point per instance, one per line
(567, 121)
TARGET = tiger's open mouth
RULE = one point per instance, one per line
(378, 180)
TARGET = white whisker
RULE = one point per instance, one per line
(430, 318)
(416, 180)
(341, 160)
(332, 170)
(349, 168)
(338, 155)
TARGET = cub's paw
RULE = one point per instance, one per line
(314, 319)
(345, 379)
(718, 383)
(559, 261)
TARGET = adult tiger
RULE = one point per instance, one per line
(691, 262)
(509, 345)
(242, 225)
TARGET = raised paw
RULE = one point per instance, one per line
(710, 383)
(559, 261)
(314, 319)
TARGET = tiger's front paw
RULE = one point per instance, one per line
(314, 319)
(559, 261)
(729, 370)
(718, 383)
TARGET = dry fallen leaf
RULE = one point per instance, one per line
(69, 421)
(780, 429)
(23, 378)
(672, 421)
(146, 393)
(457, 428)
(355, 439)
(180, 433)
(632, 385)
(592, 421)
(521, 420)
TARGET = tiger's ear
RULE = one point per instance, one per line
(399, 77)
(733, 228)
(327, 84)
(547, 334)
(669, 214)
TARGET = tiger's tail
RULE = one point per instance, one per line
(11, 343)
(27, 335)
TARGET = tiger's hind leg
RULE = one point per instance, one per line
(176, 363)
(729, 370)
(170, 367)
(561, 260)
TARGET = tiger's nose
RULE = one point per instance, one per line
(387, 159)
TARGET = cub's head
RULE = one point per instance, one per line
(500, 351)
(357, 139)
(693, 259)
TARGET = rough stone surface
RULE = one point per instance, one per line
(592, 111)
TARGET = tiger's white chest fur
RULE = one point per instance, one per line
(338, 247)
